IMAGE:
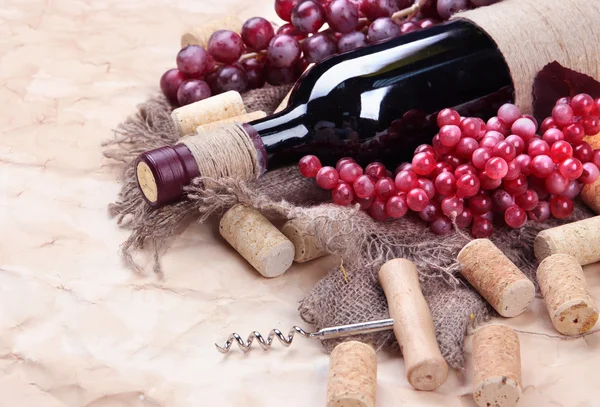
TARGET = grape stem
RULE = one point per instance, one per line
(410, 11)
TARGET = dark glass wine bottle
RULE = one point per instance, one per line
(375, 103)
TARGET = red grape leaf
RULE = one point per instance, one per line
(555, 81)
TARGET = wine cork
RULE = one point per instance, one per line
(590, 194)
(570, 304)
(593, 141)
(199, 35)
(352, 376)
(301, 233)
(579, 239)
(496, 278)
(257, 240)
(426, 369)
(219, 107)
(244, 118)
(496, 367)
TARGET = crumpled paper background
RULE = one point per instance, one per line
(79, 329)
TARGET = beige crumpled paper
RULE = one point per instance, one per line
(79, 329)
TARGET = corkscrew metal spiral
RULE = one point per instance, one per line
(325, 333)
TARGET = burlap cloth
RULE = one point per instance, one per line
(361, 243)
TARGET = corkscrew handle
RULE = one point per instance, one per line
(325, 333)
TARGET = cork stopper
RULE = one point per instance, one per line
(244, 118)
(219, 107)
(568, 299)
(426, 369)
(301, 233)
(496, 367)
(590, 194)
(496, 278)
(257, 240)
(162, 173)
(199, 35)
(579, 239)
(352, 376)
(593, 141)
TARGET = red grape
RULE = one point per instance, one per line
(524, 163)
(257, 32)
(406, 180)
(563, 101)
(283, 51)
(480, 204)
(439, 148)
(516, 186)
(584, 152)
(489, 142)
(464, 219)
(446, 8)
(374, 9)
(464, 169)
(308, 16)
(590, 173)
(289, 29)
(327, 177)
(430, 212)
(540, 213)
(309, 166)
(349, 172)
(450, 135)
(343, 161)
(496, 168)
(537, 147)
(365, 203)
(396, 207)
(230, 77)
(470, 127)
(504, 150)
(441, 225)
(378, 210)
(255, 72)
(556, 183)
(482, 228)
(514, 170)
(517, 143)
(448, 117)
(193, 60)
(342, 194)
(488, 216)
(192, 91)
(574, 133)
(582, 104)
(364, 187)
(284, 8)
(509, 113)
(480, 157)
(423, 163)
(318, 47)
(342, 15)
(350, 41)
(541, 166)
(501, 200)
(170, 82)
(591, 125)
(375, 170)
(596, 159)
(440, 168)
(382, 29)
(453, 160)
(551, 136)
(409, 26)
(571, 168)
(417, 199)
(226, 46)
(497, 124)
(427, 186)
(467, 185)
(488, 183)
(445, 183)
(425, 148)
(561, 207)
(524, 128)
(547, 124)
(465, 147)
(515, 217)
(562, 114)
(385, 188)
(560, 151)
(452, 206)
(427, 22)
(528, 200)
(280, 76)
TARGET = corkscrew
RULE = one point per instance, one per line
(324, 333)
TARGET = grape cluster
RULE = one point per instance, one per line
(476, 171)
(314, 30)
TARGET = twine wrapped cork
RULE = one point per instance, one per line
(200, 35)
(352, 376)
(301, 233)
(579, 239)
(496, 278)
(257, 240)
(568, 299)
(532, 33)
(223, 106)
(496, 367)
(426, 369)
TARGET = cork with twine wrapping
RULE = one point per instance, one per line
(532, 33)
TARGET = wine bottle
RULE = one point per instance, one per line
(375, 103)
